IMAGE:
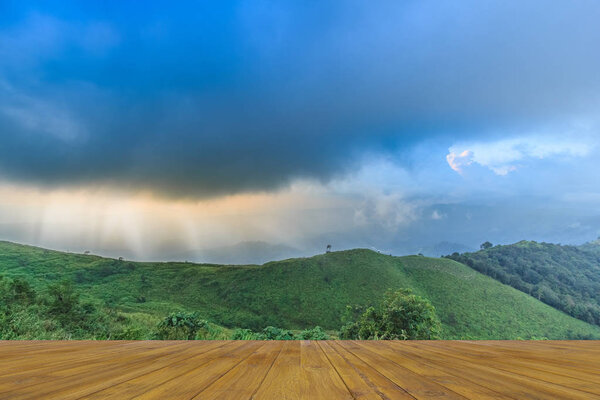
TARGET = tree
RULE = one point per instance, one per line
(486, 245)
(64, 300)
(402, 315)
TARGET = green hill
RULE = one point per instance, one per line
(591, 247)
(565, 277)
(298, 293)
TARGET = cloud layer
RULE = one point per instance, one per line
(199, 100)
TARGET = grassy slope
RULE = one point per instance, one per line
(564, 277)
(300, 293)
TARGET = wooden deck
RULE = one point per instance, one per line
(300, 370)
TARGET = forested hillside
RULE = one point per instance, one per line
(293, 294)
(565, 277)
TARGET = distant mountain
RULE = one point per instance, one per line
(251, 252)
(565, 277)
(441, 248)
(242, 253)
(297, 293)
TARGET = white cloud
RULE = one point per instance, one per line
(436, 215)
(458, 161)
(503, 170)
(387, 211)
(505, 156)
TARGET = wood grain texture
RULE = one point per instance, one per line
(300, 370)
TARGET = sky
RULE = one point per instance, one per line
(163, 130)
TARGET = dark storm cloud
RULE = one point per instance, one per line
(203, 99)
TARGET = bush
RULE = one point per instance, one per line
(180, 326)
(244, 334)
(63, 300)
(315, 333)
(129, 333)
(212, 332)
(402, 315)
(59, 314)
(80, 319)
(18, 290)
(273, 333)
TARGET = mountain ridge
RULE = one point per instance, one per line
(300, 292)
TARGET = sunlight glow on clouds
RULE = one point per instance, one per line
(458, 161)
(144, 227)
(507, 155)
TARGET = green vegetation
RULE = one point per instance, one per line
(180, 326)
(565, 277)
(59, 314)
(486, 245)
(56, 313)
(273, 333)
(296, 294)
(316, 333)
(401, 316)
(591, 247)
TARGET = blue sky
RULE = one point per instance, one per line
(397, 125)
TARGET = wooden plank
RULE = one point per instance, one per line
(358, 384)
(543, 371)
(414, 384)
(503, 382)
(70, 382)
(539, 354)
(525, 372)
(320, 378)
(28, 357)
(34, 371)
(188, 385)
(284, 379)
(383, 386)
(300, 370)
(457, 384)
(141, 384)
(242, 381)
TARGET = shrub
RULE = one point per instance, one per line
(59, 314)
(273, 333)
(63, 299)
(244, 334)
(180, 326)
(315, 333)
(402, 315)
(212, 332)
(129, 333)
